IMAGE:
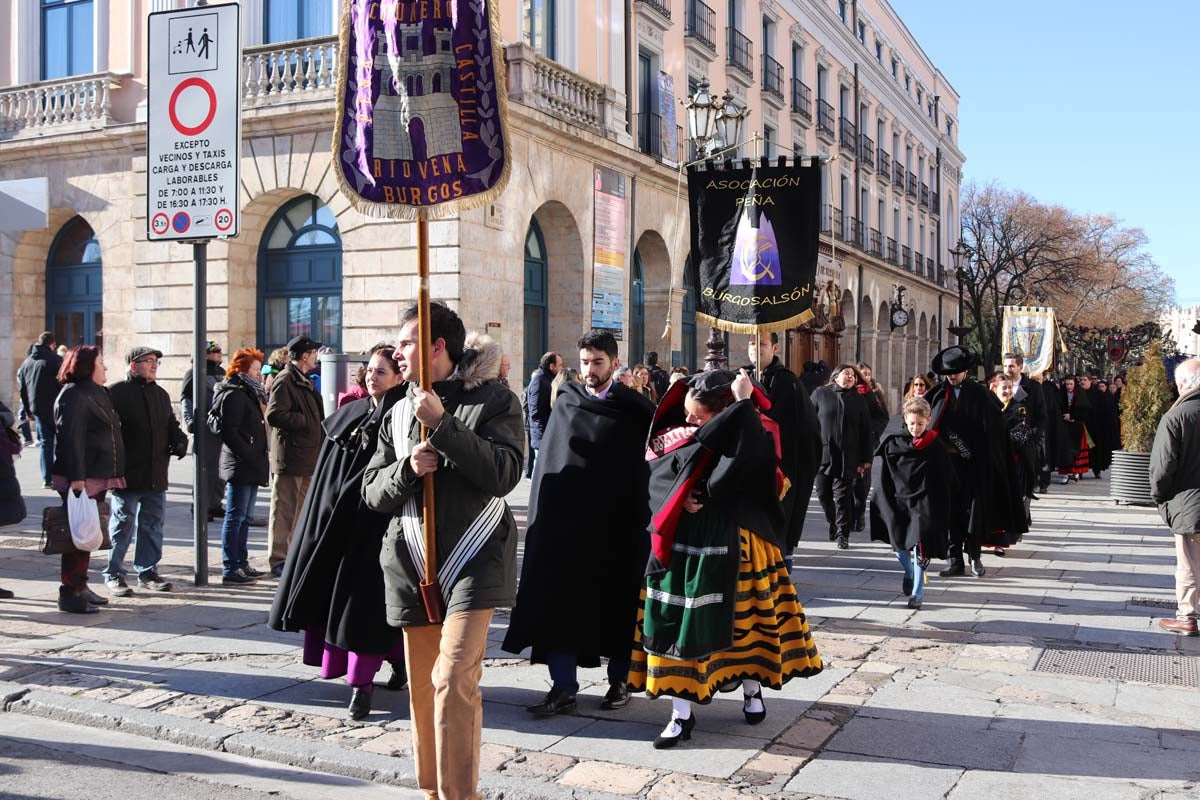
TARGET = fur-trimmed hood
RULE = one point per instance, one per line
(480, 361)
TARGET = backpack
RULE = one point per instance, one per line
(214, 413)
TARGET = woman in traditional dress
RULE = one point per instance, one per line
(332, 584)
(720, 608)
(1099, 424)
(1073, 434)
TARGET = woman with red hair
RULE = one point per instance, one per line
(89, 456)
(239, 402)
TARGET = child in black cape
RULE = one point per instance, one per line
(912, 495)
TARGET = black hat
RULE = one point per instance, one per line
(955, 359)
(301, 345)
(138, 353)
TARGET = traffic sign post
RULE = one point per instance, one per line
(193, 155)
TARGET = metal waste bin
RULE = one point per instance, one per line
(337, 375)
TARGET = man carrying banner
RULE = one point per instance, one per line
(474, 455)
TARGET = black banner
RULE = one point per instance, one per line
(755, 231)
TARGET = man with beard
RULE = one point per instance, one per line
(973, 431)
(581, 575)
(799, 434)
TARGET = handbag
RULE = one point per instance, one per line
(56, 530)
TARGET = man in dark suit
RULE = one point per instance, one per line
(537, 404)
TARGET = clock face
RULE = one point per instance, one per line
(899, 318)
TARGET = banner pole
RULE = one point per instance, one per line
(431, 593)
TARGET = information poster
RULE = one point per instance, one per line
(610, 237)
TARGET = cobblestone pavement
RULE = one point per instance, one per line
(975, 695)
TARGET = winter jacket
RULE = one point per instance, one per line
(12, 504)
(480, 440)
(89, 442)
(846, 437)
(213, 375)
(537, 404)
(1175, 465)
(37, 382)
(149, 430)
(243, 434)
(294, 413)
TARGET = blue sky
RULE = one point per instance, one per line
(1094, 105)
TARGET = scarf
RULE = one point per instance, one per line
(256, 386)
(925, 439)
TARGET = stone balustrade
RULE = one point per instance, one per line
(289, 71)
(65, 105)
(541, 83)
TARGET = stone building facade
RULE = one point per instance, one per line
(819, 77)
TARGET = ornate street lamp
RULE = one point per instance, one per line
(702, 110)
(729, 121)
(960, 252)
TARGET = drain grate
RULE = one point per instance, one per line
(1152, 602)
(1166, 669)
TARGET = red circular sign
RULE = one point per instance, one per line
(223, 219)
(160, 223)
(212, 106)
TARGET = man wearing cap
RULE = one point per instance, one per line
(151, 435)
(37, 382)
(214, 374)
(294, 413)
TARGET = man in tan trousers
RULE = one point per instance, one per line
(294, 413)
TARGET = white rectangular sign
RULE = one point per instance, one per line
(194, 124)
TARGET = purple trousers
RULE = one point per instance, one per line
(359, 668)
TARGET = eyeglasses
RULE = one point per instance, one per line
(150, 360)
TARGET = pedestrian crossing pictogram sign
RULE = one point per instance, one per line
(193, 147)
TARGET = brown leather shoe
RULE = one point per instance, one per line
(1183, 627)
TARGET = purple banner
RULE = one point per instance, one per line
(421, 107)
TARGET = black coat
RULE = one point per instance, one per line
(846, 437)
(913, 490)
(880, 418)
(586, 543)
(243, 433)
(88, 443)
(37, 382)
(537, 406)
(149, 431)
(12, 504)
(332, 580)
(1023, 476)
(1175, 465)
(213, 375)
(1070, 432)
(800, 438)
(1053, 438)
(1102, 414)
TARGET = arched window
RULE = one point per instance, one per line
(300, 276)
(688, 324)
(637, 310)
(537, 293)
(437, 82)
(74, 301)
(408, 85)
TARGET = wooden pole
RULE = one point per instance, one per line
(431, 593)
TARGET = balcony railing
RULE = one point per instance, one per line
(699, 23)
(875, 243)
(906, 257)
(839, 225)
(801, 99)
(772, 76)
(79, 102)
(893, 251)
(849, 138)
(544, 84)
(931, 270)
(661, 6)
(934, 203)
(885, 165)
(305, 69)
(737, 51)
(866, 150)
(918, 263)
(857, 233)
(911, 191)
(654, 138)
(924, 195)
(898, 175)
(824, 118)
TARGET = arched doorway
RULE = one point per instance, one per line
(537, 295)
(688, 323)
(74, 298)
(300, 276)
(637, 310)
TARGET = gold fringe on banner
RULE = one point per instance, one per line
(754, 328)
(400, 211)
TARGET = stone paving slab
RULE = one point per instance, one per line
(946, 739)
(862, 778)
(1081, 757)
(981, 785)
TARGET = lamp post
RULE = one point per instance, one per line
(713, 124)
(959, 252)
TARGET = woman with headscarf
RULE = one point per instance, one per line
(332, 583)
(720, 609)
(1074, 441)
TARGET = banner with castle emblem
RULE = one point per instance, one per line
(755, 233)
(1032, 332)
(421, 107)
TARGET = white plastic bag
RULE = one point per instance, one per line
(84, 517)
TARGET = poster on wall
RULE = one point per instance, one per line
(610, 238)
(669, 138)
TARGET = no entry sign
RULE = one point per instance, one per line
(194, 124)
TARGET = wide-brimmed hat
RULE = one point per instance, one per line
(955, 359)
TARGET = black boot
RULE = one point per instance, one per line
(74, 603)
(360, 703)
(399, 679)
(954, 568)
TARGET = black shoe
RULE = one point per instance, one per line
(832, 532)
(399, 679)
(843, 543)
(556, 702)
(73, 602)
(151, 580)
(237, 578)
(999, 551)
(277, 571)
(860, 524)
(753, 717)
(92, 597)
(914, 603)
(7, 594)
(685, 727)
(617, 697)
(251, 571)
(360, 703)
(977, 568)
(955, 569)
(906, 586)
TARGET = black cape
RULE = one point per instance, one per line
(586, 542)
(332, 580)
(1101, 428)
(913, 489)
(1070, 433)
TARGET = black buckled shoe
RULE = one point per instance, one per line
(399, 679)
(360, 703)
(556, 702)
(678, 730)
(977, 568)
(754, 717)
(955, 568)
(616, 697)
